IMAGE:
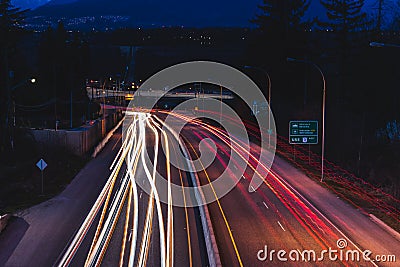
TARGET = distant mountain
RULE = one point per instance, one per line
(157, 12)
(167, 12)
(29, 4)
(60, 2)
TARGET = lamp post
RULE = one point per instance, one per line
(323, 107)
(269, 98)
(10, 94)
(31, 80)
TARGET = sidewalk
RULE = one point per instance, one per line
(37, 236)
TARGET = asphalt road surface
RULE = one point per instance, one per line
(105, 217)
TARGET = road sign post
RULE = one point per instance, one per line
(303, 133)
(41, 164)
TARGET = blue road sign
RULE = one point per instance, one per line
(41, 164)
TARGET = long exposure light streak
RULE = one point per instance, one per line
(137, 163)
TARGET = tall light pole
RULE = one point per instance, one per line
(269, 99)
(11, 90)
(323, 108)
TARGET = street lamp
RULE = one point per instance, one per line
(31, 80)
(323, 107)
(11, 90)
(269, 99)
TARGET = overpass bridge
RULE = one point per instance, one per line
(96, 93)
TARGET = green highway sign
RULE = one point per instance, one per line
(303, 132)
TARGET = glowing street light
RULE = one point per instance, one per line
(10, 95)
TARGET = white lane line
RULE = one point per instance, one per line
(140, 196)
(320, 213)
(281, 226)
(252, 188)
(130, 235)
(265, 205)
(243, 177)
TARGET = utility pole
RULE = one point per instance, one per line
(379, 25)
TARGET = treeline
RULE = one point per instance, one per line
(363, 100)
(42, 78)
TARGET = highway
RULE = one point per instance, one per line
(279, 216)
(103, 219)
(135, 209)
(126, 226)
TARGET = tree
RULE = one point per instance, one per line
(63, 67)
(345, 18)
(379, 20)
(282, 25)
(10, 20)
(394, 23)
(281, 15)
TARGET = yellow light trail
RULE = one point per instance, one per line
(220, 208)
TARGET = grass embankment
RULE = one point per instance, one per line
(20, 182)
(369, 198)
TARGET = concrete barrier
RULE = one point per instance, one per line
(3, 221)
(208, 230)
(214, 258)
(387, 228)
(103, 143)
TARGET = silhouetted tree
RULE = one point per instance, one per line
(394, 23)
(282, 16)
(282, 28)
(63, 66)
(10, 29)
(345, 19)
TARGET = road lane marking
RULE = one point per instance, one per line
(122, 253)
(230, 232)
(265, 205)
(130, 235)
(320, 213)
(281, 226)
(187, 228)
(252, 188)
